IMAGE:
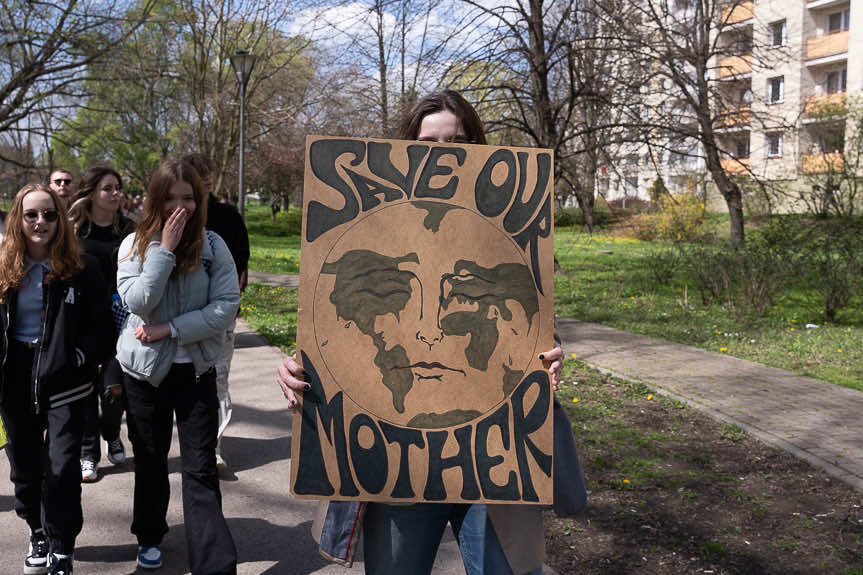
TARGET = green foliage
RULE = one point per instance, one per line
(663, 263)
(272, 312)
(680, 218)
(260, 220)
(709, 549)
(572, 216)
(613, 280)
(834, 256)
(657, 190)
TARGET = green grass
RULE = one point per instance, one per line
(278, 255)
(272, 312)
(609, 280)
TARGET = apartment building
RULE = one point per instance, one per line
(787, 70)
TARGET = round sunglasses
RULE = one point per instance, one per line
(30, 216)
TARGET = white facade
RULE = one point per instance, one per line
(804, 57)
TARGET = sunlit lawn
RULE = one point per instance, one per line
(608, 280)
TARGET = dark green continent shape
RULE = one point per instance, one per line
(472, 283)
(369, 285)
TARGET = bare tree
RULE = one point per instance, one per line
(45, 49)
(693, 51)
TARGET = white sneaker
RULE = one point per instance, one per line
(89, 471)
(116, 451)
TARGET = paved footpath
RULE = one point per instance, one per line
(270, 527)
(814, 420)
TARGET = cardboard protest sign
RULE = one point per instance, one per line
(426, 294)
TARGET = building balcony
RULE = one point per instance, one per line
(826, 46)
(816, 4)
(821, 163)
(735, 66)
(742, 12)
(735, 166)
(735, 118)
(825, 106)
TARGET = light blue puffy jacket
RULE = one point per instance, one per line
(200, 304)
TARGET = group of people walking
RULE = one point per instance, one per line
(70, 263)
(97, 311)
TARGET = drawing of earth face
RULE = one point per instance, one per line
(450, 332)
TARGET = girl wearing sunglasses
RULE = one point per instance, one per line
(55, 322)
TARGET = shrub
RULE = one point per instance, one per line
(744, 280)
(834, 255)
(645, 226)
(663, 263)
(286, 223)
(681, 217)
(573, 216)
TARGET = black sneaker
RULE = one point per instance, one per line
(37, 555)
(59, 566)
(116, 451)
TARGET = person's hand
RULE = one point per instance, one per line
(151, 333)
(291, 379)
(244, 279)
(552, 360)
(115, 390)
(172, 231)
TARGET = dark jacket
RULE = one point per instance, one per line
(225, 220)
(103, 242)
(75, 337)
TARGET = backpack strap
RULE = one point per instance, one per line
(211, 239)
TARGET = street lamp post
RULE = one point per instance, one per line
(242, 62)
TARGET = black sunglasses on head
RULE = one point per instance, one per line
(30, 216)
(62, 181)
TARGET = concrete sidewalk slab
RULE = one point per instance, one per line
(814, 420)
(271, 528)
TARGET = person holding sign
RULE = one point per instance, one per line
(56, 325)
(404, 538)
(181, 288)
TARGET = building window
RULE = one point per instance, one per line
(832, 142)
(839, 21)
(777, 34)
(630, 187)
(776, 90)
(774, 145)
(741, 149)
(837, 81)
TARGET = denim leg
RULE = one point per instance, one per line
(211, 548)
(481, 551)
(400, 539)
(150, 415)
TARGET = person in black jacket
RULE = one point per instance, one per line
(56, 326)
(100, 227)
(225, 220)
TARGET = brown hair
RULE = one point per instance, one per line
(451, 101)
(188, 251)
(63, 249)
(82, 201)
(200, 162)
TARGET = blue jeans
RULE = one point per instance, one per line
(401, 539)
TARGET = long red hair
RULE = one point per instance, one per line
(62, 252)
